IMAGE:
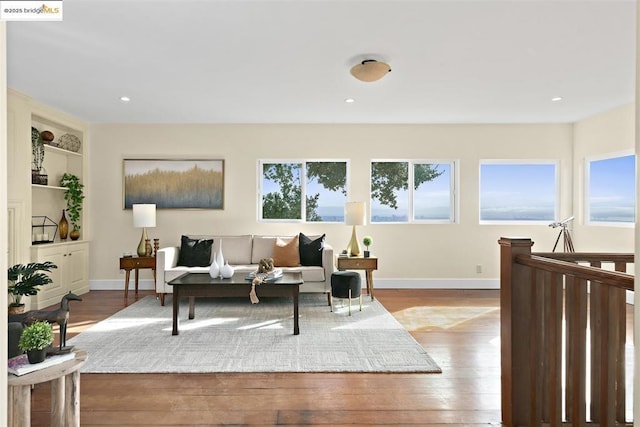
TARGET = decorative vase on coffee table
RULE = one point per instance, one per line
(227, 271)
(220, 259)
(214, 270)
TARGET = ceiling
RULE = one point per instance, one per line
(269, 61)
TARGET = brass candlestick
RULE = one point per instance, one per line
(156, 246)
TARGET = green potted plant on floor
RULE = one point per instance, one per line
(366, 241)
(74, 196)
(25, 280)
(35, 340)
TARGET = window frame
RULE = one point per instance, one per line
(587, 185)
(303, 189)
(556, 197)
(454, 197)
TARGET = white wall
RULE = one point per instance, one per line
(3, 212)
(610, 132)
(442, 254)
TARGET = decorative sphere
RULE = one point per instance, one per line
(47, 136)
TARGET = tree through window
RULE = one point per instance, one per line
(411, 191)
(322, 184)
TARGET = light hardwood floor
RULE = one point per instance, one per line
(459, 329)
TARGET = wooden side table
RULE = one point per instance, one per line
(136, 263)
(65, 393)
(360, 263)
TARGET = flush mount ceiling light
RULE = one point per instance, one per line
(370, 70)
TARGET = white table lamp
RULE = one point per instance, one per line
(354, 214)
(144, 216)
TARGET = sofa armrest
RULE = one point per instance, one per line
(328, 262)
(166, 258)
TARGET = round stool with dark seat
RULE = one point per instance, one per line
(346, 284)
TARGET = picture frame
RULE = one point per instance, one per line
(173, 183)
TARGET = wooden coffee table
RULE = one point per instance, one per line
(202, 285)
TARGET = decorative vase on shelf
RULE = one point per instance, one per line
(75, 234)
(214, 270)
(63, 227)
(227, 271)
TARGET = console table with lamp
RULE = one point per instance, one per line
(355, 213)
(144, 215)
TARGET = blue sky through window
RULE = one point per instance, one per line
(517, 192)
(612, 189)
(432, 199)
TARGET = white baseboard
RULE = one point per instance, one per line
(436, 283)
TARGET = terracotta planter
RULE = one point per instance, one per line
(16, 309)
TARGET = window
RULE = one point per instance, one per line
(412, 191)
(520, 192)
(321, 184)
(611, 189)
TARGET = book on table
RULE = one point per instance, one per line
(266, 277)
(20, 365)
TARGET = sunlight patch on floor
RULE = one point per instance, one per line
(424, 318)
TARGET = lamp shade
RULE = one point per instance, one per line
(355, 213)
(144, 215)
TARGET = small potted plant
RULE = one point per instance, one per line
(367, 240)
(25, 280)
(74, 196)
(35, 340)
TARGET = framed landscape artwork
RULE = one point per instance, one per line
(174, 184)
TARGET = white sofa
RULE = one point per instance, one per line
(243, 253)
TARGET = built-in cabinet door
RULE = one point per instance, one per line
(76, 271)
(70, 276)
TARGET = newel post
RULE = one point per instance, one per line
(515, 316)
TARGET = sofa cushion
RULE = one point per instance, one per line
(195, 252)
(311, 250)
(262, 248)
(286, 252)
(235, 249)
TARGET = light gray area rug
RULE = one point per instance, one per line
(233, 335)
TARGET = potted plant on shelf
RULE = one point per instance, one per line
(74, 196)
(35, 340)
(25, 280)
(367, 240)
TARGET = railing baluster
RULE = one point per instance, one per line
(536, 349)
(576, 350)
(554, 344)
(619, 306)
(597, 316)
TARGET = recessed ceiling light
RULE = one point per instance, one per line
(556, 99)
(349, 100)
(125, 99)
